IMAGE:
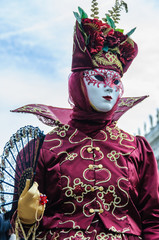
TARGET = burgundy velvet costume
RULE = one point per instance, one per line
(101, 182)
(110, 177)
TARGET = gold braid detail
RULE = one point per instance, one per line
(95, 63)
(19, 226)
(111, 59)
(84, 49)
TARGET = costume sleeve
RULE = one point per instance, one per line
(46, 162)
(40, 172)
(148, 204)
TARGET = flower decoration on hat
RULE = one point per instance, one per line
(99, 44)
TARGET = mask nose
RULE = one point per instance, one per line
(108, 89)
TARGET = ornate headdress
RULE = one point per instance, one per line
(99, 44)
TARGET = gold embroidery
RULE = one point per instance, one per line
(104, 236)
(115, 230)
(75, 134)
(95, 63)
(65, 231)
(109, 197)
(118, 183)
(111, 59)
(53, 140)
(129, 102)
(69, 157)
(116, 133)
(79, 141)
(114, 156)
(55, 236)
(127, 196)
(114, 59)
(84, 49)
(78, 235)
(78, 190)
(98, 55)
(60, 130)
(92, 154)
(37, 109)
(107, 176)
(87, 206)
(88, 228)
(105, 137)
(74, 208)
(74, 226)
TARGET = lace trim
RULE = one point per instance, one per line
(48, 121)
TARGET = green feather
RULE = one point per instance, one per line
(110, 21)
(83, 14)
(77, 16)
(131, 32)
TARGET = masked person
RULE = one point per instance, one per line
(101, 182)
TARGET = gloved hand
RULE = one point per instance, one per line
(29, 207)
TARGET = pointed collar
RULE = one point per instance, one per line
(49, 115)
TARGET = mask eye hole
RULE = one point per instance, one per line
(116, 81)
(100, 78)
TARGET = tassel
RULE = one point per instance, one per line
(19, 229)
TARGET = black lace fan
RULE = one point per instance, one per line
(18, 163)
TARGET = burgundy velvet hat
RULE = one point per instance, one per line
(98, 44)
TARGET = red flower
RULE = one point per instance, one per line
(120, 36)
(96, 29)
(112, 42)
(115, 39)
(96, 43)
(111, 32)
(126, 52)
(94, 25)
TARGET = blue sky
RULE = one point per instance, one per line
(35, 58)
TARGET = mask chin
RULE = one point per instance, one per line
(102, 99)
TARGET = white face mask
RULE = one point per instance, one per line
(103, 88)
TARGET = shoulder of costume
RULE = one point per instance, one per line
(50, 115)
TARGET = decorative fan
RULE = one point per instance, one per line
(18, 163)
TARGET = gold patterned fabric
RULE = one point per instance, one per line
(88, 178)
